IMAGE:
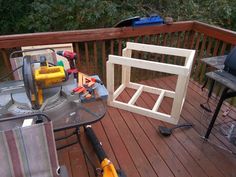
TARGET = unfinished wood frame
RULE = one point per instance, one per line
(183, 73)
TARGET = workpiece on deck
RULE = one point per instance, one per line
(128, 63)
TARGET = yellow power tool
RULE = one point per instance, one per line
(44, 76)
(107, 167)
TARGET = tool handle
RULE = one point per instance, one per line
(95, 143)
(183, 125)
(205, 108)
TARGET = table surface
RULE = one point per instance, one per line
(216, 62)
(228, 80)
(65, 113)
(221, 76)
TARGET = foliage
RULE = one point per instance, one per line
(12, 13)
(23, 16)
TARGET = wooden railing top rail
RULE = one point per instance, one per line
(10, 41)
(215, 32)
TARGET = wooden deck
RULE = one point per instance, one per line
(131, 141)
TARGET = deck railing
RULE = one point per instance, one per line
(95, 45)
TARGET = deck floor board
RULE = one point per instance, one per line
(132, 143)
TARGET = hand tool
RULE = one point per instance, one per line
(72, 58)
(165, 131)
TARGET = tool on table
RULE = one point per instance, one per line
(91, 81)
(45, 88)
(43, 77)
(72, 58)
(165, 131)
(107, 167)
(86, 91)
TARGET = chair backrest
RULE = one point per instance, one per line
(28, 151)
(230, 62)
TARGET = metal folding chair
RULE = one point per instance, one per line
(28, 151)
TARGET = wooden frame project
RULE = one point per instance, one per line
(183, 73)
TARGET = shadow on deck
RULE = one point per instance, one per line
(131, 141)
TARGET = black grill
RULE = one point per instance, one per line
(230, 62)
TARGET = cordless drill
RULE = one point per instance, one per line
(71, 57)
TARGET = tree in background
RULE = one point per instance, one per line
(12, 14)
(24, 16)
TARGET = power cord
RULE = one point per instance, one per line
(8, 74)
(97, 171)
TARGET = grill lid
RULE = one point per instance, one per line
(230, 62)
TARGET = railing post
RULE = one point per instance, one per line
(6, 60)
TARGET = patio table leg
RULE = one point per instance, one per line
(222, 98)
(225, 95)
(211, 89)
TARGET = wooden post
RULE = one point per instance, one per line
(6, 60)
(110, 81)
(126, 70)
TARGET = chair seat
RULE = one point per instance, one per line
(29, 151)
